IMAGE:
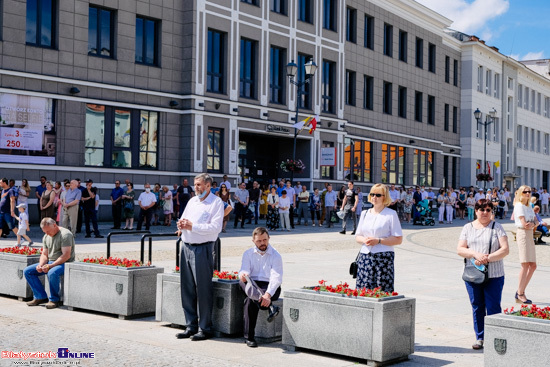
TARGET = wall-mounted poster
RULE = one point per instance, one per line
(27, 129)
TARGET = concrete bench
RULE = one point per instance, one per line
(269, 332)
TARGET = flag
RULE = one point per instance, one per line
(478, 165)
(488, 168)
(497, 165)
(300, 125)
(313, 124)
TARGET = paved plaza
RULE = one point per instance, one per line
(427, 268)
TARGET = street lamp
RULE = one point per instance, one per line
(489, 119)
(291, 70)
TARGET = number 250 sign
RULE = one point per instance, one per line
(11, 138)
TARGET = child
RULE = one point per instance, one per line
(23, 224)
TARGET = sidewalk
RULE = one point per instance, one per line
(427, 268)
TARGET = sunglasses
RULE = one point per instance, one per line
(377, 195)
(486, 210)
(527, 192)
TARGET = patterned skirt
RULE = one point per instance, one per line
(376, 270)
(272, 222)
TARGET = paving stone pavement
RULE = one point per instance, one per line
(427, 268)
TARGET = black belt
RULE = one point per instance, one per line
(198, 244)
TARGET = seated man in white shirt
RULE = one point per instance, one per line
(263, 265)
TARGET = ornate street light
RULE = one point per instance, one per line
(489, 119)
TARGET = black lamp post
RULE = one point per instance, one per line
(291, 70)
(489, 119)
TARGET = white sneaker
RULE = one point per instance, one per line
(313, 225)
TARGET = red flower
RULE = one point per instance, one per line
(21, 250)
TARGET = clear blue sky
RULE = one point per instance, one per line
(519, 28)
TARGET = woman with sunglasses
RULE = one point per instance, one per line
(378, 231)
(223, 193)
(484, 241)
(526, 222)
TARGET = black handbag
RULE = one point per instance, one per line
(353, 267)
(474, 275)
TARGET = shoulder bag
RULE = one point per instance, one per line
(471, 273)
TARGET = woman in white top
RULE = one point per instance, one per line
(272, 222)
(24, 192)
(284, 205)
(450, 206)
(441, 202)
(473, 244)
(378, 231)
(526, 222)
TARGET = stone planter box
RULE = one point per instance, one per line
(377, 330)
(227, 313)
(111, 289)
(13, 282)
(516, 341)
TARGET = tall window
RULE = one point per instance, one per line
(519, 131)
(447, 69)
(328, 87)
(329, 14)
(387, 98)
(455, 73)
(455, 119)
(368, 98)
(480, 78)
(350, 87)
(351, 25)
(402, 102)
(393, 164)
(488, 81)
(403, 46)
(248, 68)
(357, 160)
(526, 98)
(41, 22)
(423, 168)
(100, 32)
(546, 149)
(520, 95)
(369, 32)
(418, 106)
(305, 11)
(497, 86)
(388, 40)
(509, 111)
(431, 57)
(431, 110)
(122, 138)
(327, 172)
(305, 100)
(446, 118)
(277, 75)
(214, 151)
(147, 41)
(419, 53)
(278, 6)
(215, 68)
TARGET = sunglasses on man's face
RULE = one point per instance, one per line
(377, 195)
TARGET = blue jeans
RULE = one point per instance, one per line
(31, 274)
(485, 300)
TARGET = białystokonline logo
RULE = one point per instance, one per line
(66, 353)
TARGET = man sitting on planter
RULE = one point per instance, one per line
(263, 266)
(58, 249)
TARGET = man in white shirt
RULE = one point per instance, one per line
(480, 195)
(264, 266)
(544, 196)
(199, 227)
(395, 197)
(242, 197)
(330, 203)
(146, 202)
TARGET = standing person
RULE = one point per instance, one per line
(297, 187)
(128, 206)
(157, 208)
(323, 207)
(394, 195)
(417, 198)
(59, 190)
(479, 195)
(461, 202)
(88, 203)
(254, 195)
(379, 230)
(224, 196)
(349, 206)
(441, 204)
(485, 242)
(292, 196)
(7, 207)
(272, 222)
(315, 208)
(71, 202)
(226, 183)
(263, 266)
(241, 197)
(360, 203)
(470, 205)
(80, 207)
(57, 250)
(330, 202)
(199, 227)
(408, 204)
(303, 201)
(400, 202)
(175, 201)
(185, 193)
(263, 202)
(168, 206)
(38, 192)
(214, 189)
(116, 204)
(280, 188)
(544, 196)
(147, 201)
(47, 208)
(284, 205)
(273, 184)
(23, 227)
(24, 192)
(525, 221)
(449, 206)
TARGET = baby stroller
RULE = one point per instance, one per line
(424, 216)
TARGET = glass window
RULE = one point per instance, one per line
(388, 40)
(147, 50)
(455, 119)
(327, 172)
(497, 86)
(431, 57)
(305, 11)
(402, 102)
(121, 155)
(387, 98)
(519, 131)
(480, 78)
(277, 75)
(214, 150)
(278, 6)
(455, 73)
(252, 2)
(446, 118)
(328, 87)
(418, 106)
(41, 21)
(100, 32)
(148, 139)
(393, 164)
(351, 25)
(215, 81)
(431, 110)
(95, 135)
(423, 168)
(305, 93)
(419, 53)
(520, 95)
(403, 46)
(447, 69)
(329, 14)
(248, 68)
(350, 87)
(488, 79)
(368, 100)
(357, 157)
(369, 32)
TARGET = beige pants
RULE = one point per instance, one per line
(70, 218)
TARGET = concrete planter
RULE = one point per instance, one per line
(379, 330)
(13, 282)
(111, 289)
(227, 313)
(516, 341)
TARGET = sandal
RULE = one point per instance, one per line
(527, 300)
(478, 345)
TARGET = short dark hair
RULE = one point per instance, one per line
(3, 179)
(483, 203)
(283, 192)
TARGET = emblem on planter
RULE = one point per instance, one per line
(119, 288)
(294, 314)
(219, 302)
(500, 346)
(20, 273)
